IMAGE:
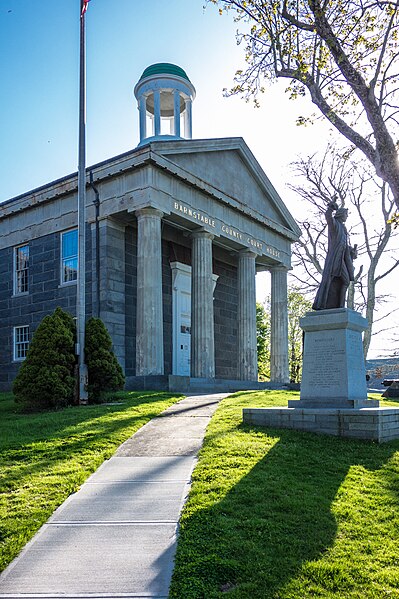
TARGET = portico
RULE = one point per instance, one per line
(170, 204)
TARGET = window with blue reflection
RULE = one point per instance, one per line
(69, 257)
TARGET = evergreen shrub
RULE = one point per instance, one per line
(105, 373)
(46, 377)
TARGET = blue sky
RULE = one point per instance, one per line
(39, 46)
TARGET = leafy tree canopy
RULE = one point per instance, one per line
(342, 52)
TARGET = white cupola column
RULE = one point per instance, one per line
(143, 117)
(157, 113)
(188, 124)
(176, 112)
(149, 323)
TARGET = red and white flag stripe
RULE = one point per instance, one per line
(84, 6)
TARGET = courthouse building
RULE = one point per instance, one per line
(176, 230)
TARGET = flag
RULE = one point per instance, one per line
(84, 6)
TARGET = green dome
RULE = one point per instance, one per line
(164, 68)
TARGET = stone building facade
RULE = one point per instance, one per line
(176, 231)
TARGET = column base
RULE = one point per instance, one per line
(189, 385)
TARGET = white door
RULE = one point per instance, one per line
(181, 307)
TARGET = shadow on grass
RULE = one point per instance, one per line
(55, 437)
(46, 456)
(255, 540)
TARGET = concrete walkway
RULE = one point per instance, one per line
(116, 537)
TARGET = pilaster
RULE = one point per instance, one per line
(111, 305)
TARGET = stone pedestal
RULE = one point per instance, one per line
(333, 371)
(333, 397)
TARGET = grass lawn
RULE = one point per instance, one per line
(45, 457)
(288, 515)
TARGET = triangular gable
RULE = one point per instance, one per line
(229, 166)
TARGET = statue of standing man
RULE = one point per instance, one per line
(338, 268)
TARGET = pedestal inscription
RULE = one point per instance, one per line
(325, 361)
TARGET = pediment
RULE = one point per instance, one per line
(228, 166)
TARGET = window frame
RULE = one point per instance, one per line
(62, 259)
(16, 344)
(15, 271)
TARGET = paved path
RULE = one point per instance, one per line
(116, 537)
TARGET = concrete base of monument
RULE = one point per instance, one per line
(190, 385)
(333, 403)
(374, 424)
(333, 398)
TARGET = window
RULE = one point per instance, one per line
(21, 342)
(69, 256)
(21, 269)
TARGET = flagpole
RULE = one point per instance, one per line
(81, 282)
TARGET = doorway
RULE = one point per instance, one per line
(181, 309)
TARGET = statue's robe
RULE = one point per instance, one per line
(338, 265)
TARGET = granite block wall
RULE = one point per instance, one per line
(167, 307)
(44, 295)
(225, 317)
(131, 299)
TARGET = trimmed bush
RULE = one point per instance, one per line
(46, 377)
(105, 373)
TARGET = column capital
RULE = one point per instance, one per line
(201, 234)
(247, 253)
(108, 221)
(278, 268)
(142, 212)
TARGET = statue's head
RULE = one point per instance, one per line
(341, 214)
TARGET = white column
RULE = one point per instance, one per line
(247, 346)
(279, 372)
(149, 328)
(202, 327)
(188, 133)
(176, 112)
(157, 113)
(143, 117)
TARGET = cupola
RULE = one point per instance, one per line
(164, 96)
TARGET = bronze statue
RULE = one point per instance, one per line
(338, 267)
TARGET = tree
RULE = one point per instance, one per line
(263, 342)
(343, 53)
(46, 377)
(298, 305)
(338, 176)
(105, 374)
